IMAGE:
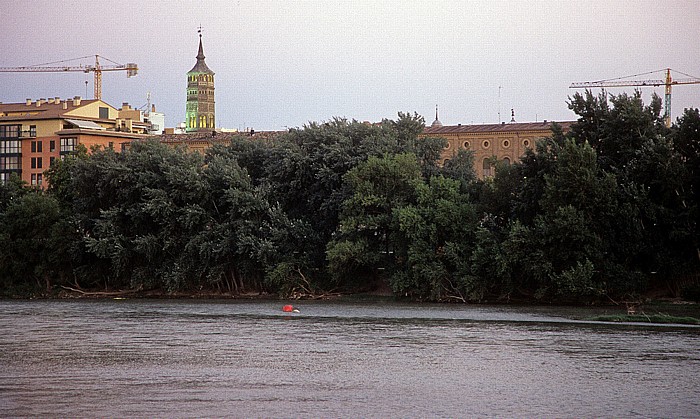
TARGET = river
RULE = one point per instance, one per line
(182, 358)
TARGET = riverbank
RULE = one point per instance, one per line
(661, 310)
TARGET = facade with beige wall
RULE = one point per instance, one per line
(33, 134)
(506, 141)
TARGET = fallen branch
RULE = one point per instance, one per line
(102, 293)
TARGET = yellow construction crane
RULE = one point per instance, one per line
(130, 68)
(620, 82)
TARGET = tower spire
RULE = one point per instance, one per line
(200, 54)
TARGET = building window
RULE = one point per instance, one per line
(37, 147)
(486, 168)
(506, 143)
(506, 160)
(52, 146)
(10, 163)
(68, 145)
(466, 144)
(33, 162)
(486, 144)
(32, 130)
(104, 112)
(10, 131)
(10, 147)
(526, 143)
(37, 179)
(111, 144)
(51, 160)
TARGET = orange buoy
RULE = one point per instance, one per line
(288, 308)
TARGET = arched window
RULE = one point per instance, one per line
(506, 160)
(202, 121)
(486, 168)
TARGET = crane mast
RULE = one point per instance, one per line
(667, 83)
(130, 68)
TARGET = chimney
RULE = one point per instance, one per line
(49, 100)
(128, 124)
(28, 102)
(57, 100)
(76, 100)
(153, 108)
(40, 102)
(65, 104)
(125, 106)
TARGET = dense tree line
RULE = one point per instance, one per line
(608, 210)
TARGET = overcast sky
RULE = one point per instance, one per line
(282, 64)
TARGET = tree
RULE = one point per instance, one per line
(34, 244)
(615, 132)
(364, 242)
(436, 239)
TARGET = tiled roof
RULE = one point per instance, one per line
(494, 128)
(47, 110)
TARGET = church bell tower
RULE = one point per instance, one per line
(201, 115)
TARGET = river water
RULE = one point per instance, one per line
(175, 358)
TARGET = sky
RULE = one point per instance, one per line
(283, 64)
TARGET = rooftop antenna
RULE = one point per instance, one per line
(512, 115)
(148, 103)
(86, 89)
(499, 103)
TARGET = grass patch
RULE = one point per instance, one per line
(643, 318)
